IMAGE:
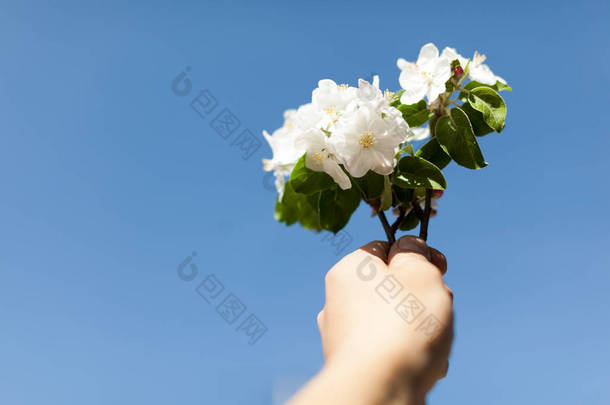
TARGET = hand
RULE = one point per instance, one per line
(390, 312)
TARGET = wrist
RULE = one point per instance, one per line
(379, 380)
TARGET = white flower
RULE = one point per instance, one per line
(282, 143)
(426, 77)
(320, 156)
(306, 117)
(355, 127)
(451, 54)
(331, 100)
(285, 153)
(369, 91)
(371, 96)
(367, 140)
(477, 70)
(481, 72)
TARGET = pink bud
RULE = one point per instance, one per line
(458, 71)
(437, 194)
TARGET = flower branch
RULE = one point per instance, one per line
(352, 144)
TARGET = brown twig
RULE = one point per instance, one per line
(423, 228)
(401, 216)
(419, 213)
(386, 227)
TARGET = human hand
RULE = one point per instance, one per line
(391, 313)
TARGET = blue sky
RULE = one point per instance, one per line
(110, 180)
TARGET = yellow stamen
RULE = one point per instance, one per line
(478, 58)
(317, 157)
(367, 139)
(343, 87)
(330, 110)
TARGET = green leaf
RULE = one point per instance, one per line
(474, 84)
(456, 137)
(386, 197)
(371, 184)
(491, 104)
(416, 114)
(298, 207)
(407, 149)
(337, 206)
(414, 172)
(286, 209)
(433, 153)
(499, 86)
(307, 181)
(479, 126)
(410, 222)
(310, 218)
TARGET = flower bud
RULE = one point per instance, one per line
(458, 71)
(436, 194)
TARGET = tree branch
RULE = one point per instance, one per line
(418, 211)
(401, 216)
(386, 227)
(423, 228)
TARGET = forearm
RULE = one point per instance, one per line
(375, 353)
(344, 382)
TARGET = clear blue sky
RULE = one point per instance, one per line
(110, 180)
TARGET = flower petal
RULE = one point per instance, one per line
(402, 64)
(483, 74)
(312, 140)
(359, 164)
(427, 53)
(334, 170)
(415, 87)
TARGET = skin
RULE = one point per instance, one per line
(372, 354)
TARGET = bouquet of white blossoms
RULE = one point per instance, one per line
(355, 143)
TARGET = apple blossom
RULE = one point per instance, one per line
(285, 154)
(353, 144)
(368, 140)
(476, 69)
(320, 156)
(426, 77)
(331, 100)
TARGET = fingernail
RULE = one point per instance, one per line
(439, 260)
(380, 247)
(377, 248)
(411, 244)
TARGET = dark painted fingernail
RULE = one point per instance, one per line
(439, 260)
(410, 244)
(377, 248)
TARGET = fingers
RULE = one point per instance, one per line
(372, 254)
(377, 248)
(410, 248)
